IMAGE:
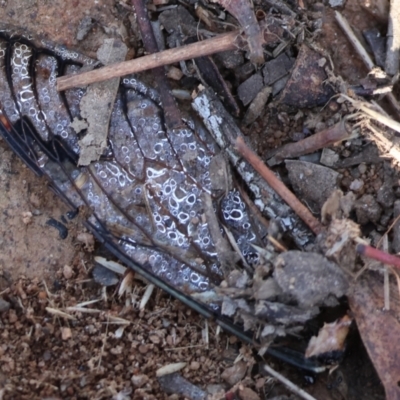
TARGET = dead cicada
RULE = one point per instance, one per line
(160, 200)
(145, 192)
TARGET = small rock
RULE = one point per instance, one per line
(175, 73)
(248, 394)
(85, 25)
(87, 239)
(103, 276)
(47, 355)
(230, 59)
(377, 43)
(194, 365)
(244, 71)
(367, 209)
(66, 333)
(306, 87)
(139, 380)
(12, 317)
(175, 383)
(347, 203)
(249, 89)
(277, 68)
(279, 85)
(311, 182)
(68, 272)
(27, 217)
(4, 305)
(385, 195)
(214, 389)
(257, 106)
(356, 185)
(143, 349)
(328, 157)
(336, 3)
(362, 168)
(266, 289)
(234, 374)
(309, 277)
(155, 339)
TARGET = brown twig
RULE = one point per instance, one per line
(278, 186)
(325, 138)
(206, 47)
(378, 255)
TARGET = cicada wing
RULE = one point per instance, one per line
(144, 193)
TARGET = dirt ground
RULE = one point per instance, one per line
(114, 350)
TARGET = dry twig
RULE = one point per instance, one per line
(278, 186)
(386, 289)
(325, 138)
(363, 54)
(378, 255)
(289, 384)
(342, 21)
(206, 47)
(393, 39)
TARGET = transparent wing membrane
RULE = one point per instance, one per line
(145, 193)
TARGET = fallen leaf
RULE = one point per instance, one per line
(379, 329)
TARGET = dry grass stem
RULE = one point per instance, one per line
(289, 384)
(343, 23)
(376, 115)
(87, 303)
(276, 243)
(112, 320)
(58, 313)
(126, 284)
(170, 369)
(186, 347)
(146, 296)
(111, 265)
(363, 54)
(83, 310)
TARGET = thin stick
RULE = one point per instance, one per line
(363, 53)
(342, 21)
(320, 140)
(366, 108)
(386, 289)
(278, 186)
(206, 47)
(393, 39)
(378, 255)
(289, 384)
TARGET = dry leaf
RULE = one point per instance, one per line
(379, 329)
(331, 338)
